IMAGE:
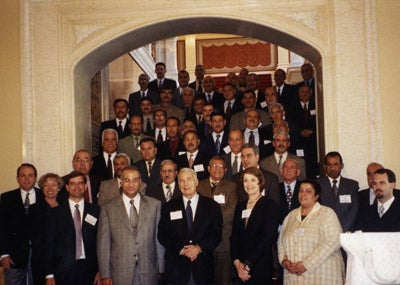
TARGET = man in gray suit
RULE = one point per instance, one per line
(128, 250)
(130, 144)
(339, 193)
(274, 162)
(224, 192)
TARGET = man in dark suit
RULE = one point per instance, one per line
(72, 257)
(215, 142)
(252, 84)
(159, 132)
(289, 188)
(253, 134)
(250, 158)
(166, 98)
(120, 123)
(233, 158)
(168, 189)
(16, 228)
(223, 192)
(136, 97)
(232, 103)
(193, 158)
(183, 82)
(82, 162)
(307, 72)
(149, 165)
(339, 193)
(286, 92)
(173, 146)
(161, 81)
(102, 163)
(384, 215)
(210, 95)
(190, 229)
(204, 128)
(198, 84)
(146, 107)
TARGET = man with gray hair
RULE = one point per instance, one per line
(190, 229)
(102, 163)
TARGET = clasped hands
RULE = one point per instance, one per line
(242, 270)
(191, 251)
(294, 267)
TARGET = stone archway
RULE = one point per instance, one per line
(107, 52)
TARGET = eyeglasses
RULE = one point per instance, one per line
(217, 166)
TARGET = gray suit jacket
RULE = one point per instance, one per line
(237, 120)
(126, 144)
(269, 163)
(345, 204)
(117, 245)
(229, 190)
(109, 190)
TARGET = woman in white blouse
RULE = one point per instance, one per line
(308, 245)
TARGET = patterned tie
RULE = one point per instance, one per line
(191, 161)
(280, 162)
(289, 196)
(78, 233)
(149, 168)
(169, 193)
(136, 144)
(213, 186)
(133, 216)
(334, 187)
(218, 143)
(251, 138)
(159, 137)
(27, 203)
(120, 129)
(109, 167)
(235, 165)
(189, 215)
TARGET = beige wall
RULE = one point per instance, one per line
(389, 72)
(12, 153)
(10, 93)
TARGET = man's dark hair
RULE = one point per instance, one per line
(390, 174)
(27, 165)
(74, 174)
(120, 100)
(333, 154)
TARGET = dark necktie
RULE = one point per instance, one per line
(159, 137)
(120, 129)
(150, 167)
(143, 94)
(169, 193)
(27, 203)
(280, 162)
(133, 216)
(187, 112)
(235, 165)
(109, 167)
(78, 232)
(189, 216)
(199, 89)
(228, 110)
(218, 143)
(148, 125)
(251, 138)
(278, 91)
(289, 196)
(334, 187)
(209, 98)
(213, 186)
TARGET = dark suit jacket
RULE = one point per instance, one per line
(283, 204)
(154, 177)
(346, 212)
(389, 222)
(164, 152)
(168, 83)
(61, 257)
(112, 124)
(174, 234)
(136, 97)
(253, 243)
(16, 226)
(228, 162)
(99, 168)
(271, 186)
(94, 189)
(236, 108)
(312, 86)
(207, 145)
(217, 100)
(200, 161)
(156, 191)
(288, 96)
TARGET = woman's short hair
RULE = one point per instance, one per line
(257, 173)
(314, 184)
(47, 176)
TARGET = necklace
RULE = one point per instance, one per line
(253, 201)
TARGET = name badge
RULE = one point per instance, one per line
(220, 199)
(181, 152)
(267, 142)
(176, 215)
(313, 112)
(90, 219)
(345, 198)
(299, 232)
(299, 152)
(246, 213)
(198, 167)
(227, 149)
(263, 104)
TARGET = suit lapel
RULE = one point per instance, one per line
(121, 212)
(143, 214)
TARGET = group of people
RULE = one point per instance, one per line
(174, 200)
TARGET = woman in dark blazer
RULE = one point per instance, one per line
(254, 231)
(40, 214)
